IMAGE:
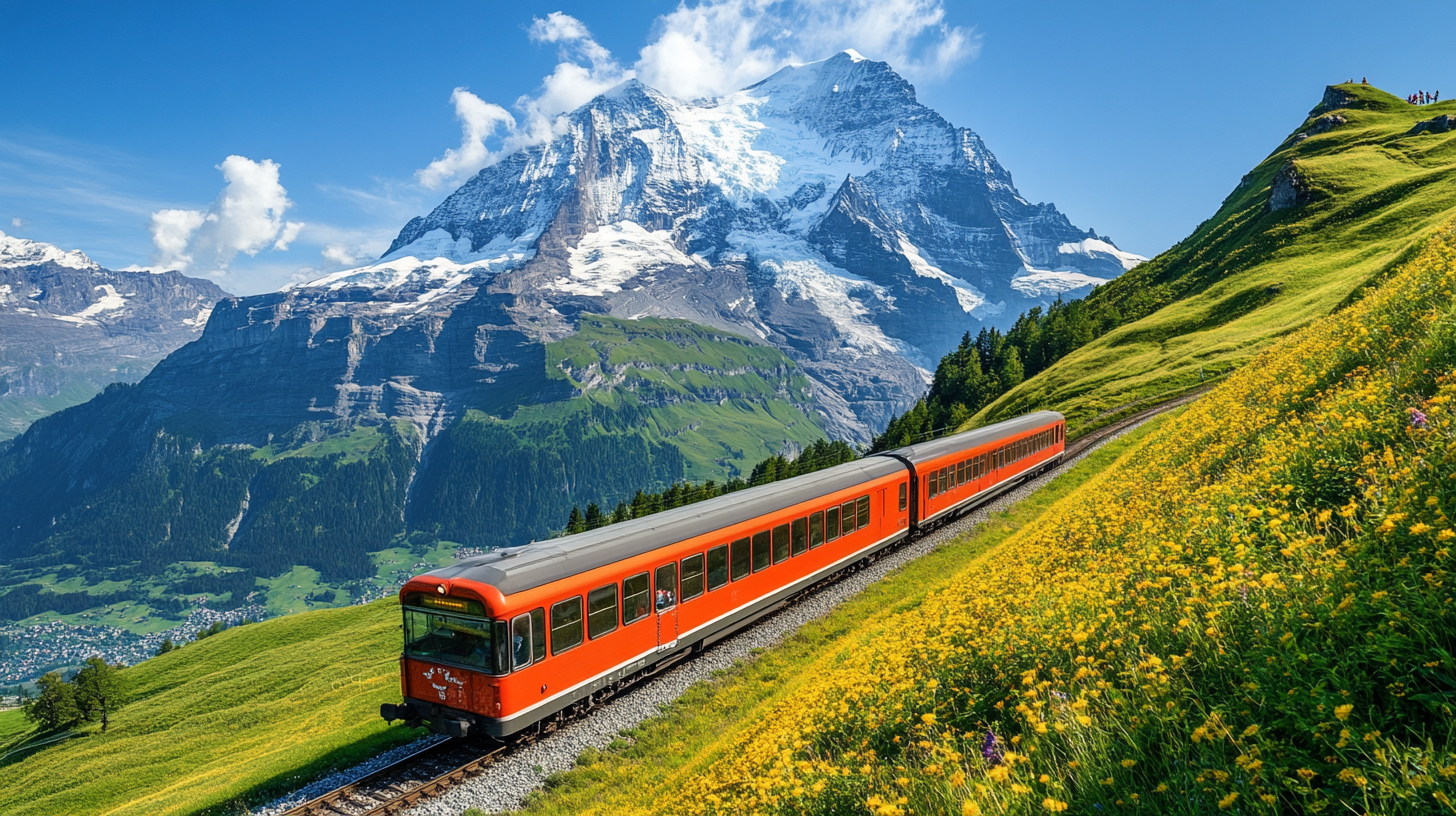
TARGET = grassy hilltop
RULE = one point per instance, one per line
(1250, 275)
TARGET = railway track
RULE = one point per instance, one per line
(425, 773)
(436, 769)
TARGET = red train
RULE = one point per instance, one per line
(521, 637)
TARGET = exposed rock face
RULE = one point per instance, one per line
(1326, 123)
(1335, 99)
(68, 327)
(1441, 124)
(1289, 188)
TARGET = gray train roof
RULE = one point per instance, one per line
(516, 569)
(946, 445)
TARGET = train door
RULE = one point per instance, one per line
(665, 604)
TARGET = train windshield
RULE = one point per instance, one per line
(456, 639)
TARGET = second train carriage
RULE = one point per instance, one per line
(501, 642)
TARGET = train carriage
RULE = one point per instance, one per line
(522, 636)
(953, 473)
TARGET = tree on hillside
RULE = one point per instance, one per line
(55, 706)
(594, 517)
(167, 646)
(575, 523)
(98, 690)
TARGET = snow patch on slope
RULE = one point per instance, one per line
(23, 252)
(1043, 282)
(1094, 246)
(969, 297)
(838, 294)
(749, 156)
(434, 274)
(609, 257)
(110, 301)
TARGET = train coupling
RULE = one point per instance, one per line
(402, 711)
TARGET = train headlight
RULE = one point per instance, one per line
(440, 589)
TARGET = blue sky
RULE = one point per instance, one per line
(1134, 119)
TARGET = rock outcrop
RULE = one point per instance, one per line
(1289, 188)
(1444, 123)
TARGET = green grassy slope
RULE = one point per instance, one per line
(724, 401)
(1247, 275)
(227, 719)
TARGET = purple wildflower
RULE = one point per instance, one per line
(1417, 419)
(990, 749)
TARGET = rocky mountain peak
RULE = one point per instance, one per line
(16, 252)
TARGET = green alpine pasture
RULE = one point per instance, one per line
(1248, 275)
(224, 721)
(724, 401)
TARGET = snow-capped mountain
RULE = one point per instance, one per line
(823, 210)
(69, 327)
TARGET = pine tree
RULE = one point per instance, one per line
(594, 517)
(575, 523)
(623, 512)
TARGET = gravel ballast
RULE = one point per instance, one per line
(505, 785)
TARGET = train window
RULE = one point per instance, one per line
(520, 641)
(717, 567)
(692, 577)
(846, 517)
(601, 611)
(666, 586)
(945, 480)
(801, 536)
(566, 625)
(862, 508)
(932, 485)
(816, 529)
(538, 634)
(740, 558)
(456, 639)
(904, 496)
(960, 473)
(762, 551)
(831, 523)
(636, 597)
(781, 543)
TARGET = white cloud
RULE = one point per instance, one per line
(479, 120)
(703, 50)
(716, 47)
(341, 255)
(247, 217)
(18, 223)
(586, 69)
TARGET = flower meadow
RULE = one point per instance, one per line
(1249, 613)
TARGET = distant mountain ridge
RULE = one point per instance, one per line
(69, 327)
